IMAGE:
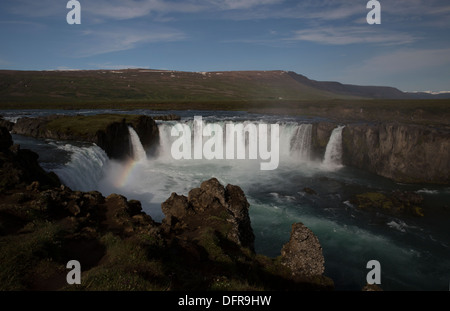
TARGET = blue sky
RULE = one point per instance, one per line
(326, 40)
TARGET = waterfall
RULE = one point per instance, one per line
(137, 148)
(333, 152)
(84, 169)
(295, 139)
(301, 142)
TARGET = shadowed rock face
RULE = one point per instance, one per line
(404, 153)
(215, 202)
(19, 167)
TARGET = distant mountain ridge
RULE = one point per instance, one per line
(379, 92)
(163, 86)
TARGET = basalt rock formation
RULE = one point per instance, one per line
(109, 132)
(408, 153)
(404, 153)
(205, 241)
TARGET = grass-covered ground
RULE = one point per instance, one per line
(86, 126)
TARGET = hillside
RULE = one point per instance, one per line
(143, 85)
(26, 87)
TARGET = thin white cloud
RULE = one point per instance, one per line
(116, 66)
(352, 35)
(129, 9)
(404, 61)
(242, 4)
(407, 69)
(96, 42)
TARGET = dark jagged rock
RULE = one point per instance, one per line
(212, 201)
(7, 124)
(147, 130)
(115, 140)
(19, 167)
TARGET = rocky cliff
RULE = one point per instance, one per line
(110, 132)
(406, 153)
(205, 241)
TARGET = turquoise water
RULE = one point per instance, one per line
(413, 252)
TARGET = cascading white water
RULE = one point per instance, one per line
(333, 153)
(295, 139)
(139, 153)
(84, 169)
(301, 141)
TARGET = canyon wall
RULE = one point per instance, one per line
(402, 152)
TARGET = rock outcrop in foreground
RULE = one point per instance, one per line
(205, 241)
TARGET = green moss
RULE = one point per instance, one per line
(373, 199)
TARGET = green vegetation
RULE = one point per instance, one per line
(395, 203)
(86, 126)
(104, 86)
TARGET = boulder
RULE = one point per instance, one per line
(227, 206)
(303, 253)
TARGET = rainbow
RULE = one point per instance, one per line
(126, 172)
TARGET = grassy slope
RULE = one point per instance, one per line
(47, 87)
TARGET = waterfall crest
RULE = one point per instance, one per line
(138, 150)
(301, 142)
(333, 153)
(84, 169)
(295, 139)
